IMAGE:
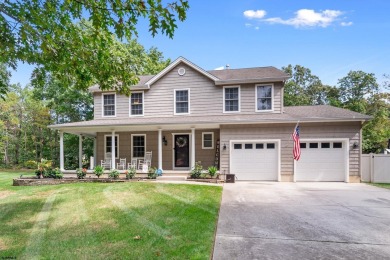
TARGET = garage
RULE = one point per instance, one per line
(255, 160)
(324, 160)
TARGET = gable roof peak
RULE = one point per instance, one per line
(180, 59)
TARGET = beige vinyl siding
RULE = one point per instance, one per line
(248, 98)
(205, 97)
(206, 156)
(283, 132)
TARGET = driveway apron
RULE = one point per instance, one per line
(269, 220)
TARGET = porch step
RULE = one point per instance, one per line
(171, 178)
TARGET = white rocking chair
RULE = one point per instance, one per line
(121, 164)
(106, 164)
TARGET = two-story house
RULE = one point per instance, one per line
(232, 118)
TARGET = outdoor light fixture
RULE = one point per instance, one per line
(355, 145)
(224, 146)
(165, 141)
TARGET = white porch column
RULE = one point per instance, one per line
(62, 151)
(113, 155)
(80, 151)
(159, 148)
(94, 151)
(192, 147)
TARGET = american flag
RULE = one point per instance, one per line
(297, 144)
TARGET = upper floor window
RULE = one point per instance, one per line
(108, 104)
(182, 101)
(137, 104)
(231, 97)
(264, 98)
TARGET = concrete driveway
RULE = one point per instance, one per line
(266, 220)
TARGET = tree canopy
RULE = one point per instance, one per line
(78, 39)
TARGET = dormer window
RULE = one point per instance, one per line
(109, 105)
(264, 98)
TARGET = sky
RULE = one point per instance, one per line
(329, 37)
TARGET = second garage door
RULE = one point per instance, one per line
(255, 160)
(322, 161)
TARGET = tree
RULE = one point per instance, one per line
(55, 36)
(4, 80)
(357, 88)
(303, 88)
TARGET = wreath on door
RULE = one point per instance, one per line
(181, 142)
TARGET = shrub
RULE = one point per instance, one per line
(212, 170)
(98, 171)
(57, 174)
(114, 174)
(81, 173)
(130, 173)
(39, 172)
(196, 171)
(152, 174)
(31, 164)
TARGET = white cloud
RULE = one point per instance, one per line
(308, 18)
(257, 28)
(346, 23)
(219, 68)
(252, 14)
(248, 25)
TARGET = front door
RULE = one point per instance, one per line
(181, 151)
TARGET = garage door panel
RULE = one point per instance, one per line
(254, 164)
(321, 164)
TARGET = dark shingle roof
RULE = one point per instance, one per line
(249, 73)
(228, 76)
(291, 114)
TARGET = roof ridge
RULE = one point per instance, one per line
(262, 67)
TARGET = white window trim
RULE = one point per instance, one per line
(105, 144)
(212, 140)
(272, 97)
(239, 99)
(174, 102)
(132, 145)
(143, 103)
(104, 94)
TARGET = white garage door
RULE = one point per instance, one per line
(254, 160)
(321, 161)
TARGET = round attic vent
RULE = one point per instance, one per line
(181, 71)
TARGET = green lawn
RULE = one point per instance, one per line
(382, 185)
(134, 220)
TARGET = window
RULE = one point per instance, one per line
(264, 98)
(182, 104)
(137, 104)
(108, 104)
(248, 146)
(270, 146)
(138, 146)
(259, 146)
(108, 146)
(237, 146)
(337, 145)
(302, 145)
(231, 99)
(208, 140)
(325, 145)
(313, 145)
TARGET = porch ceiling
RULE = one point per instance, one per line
(93, 130)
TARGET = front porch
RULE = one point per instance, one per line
(173, 151)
